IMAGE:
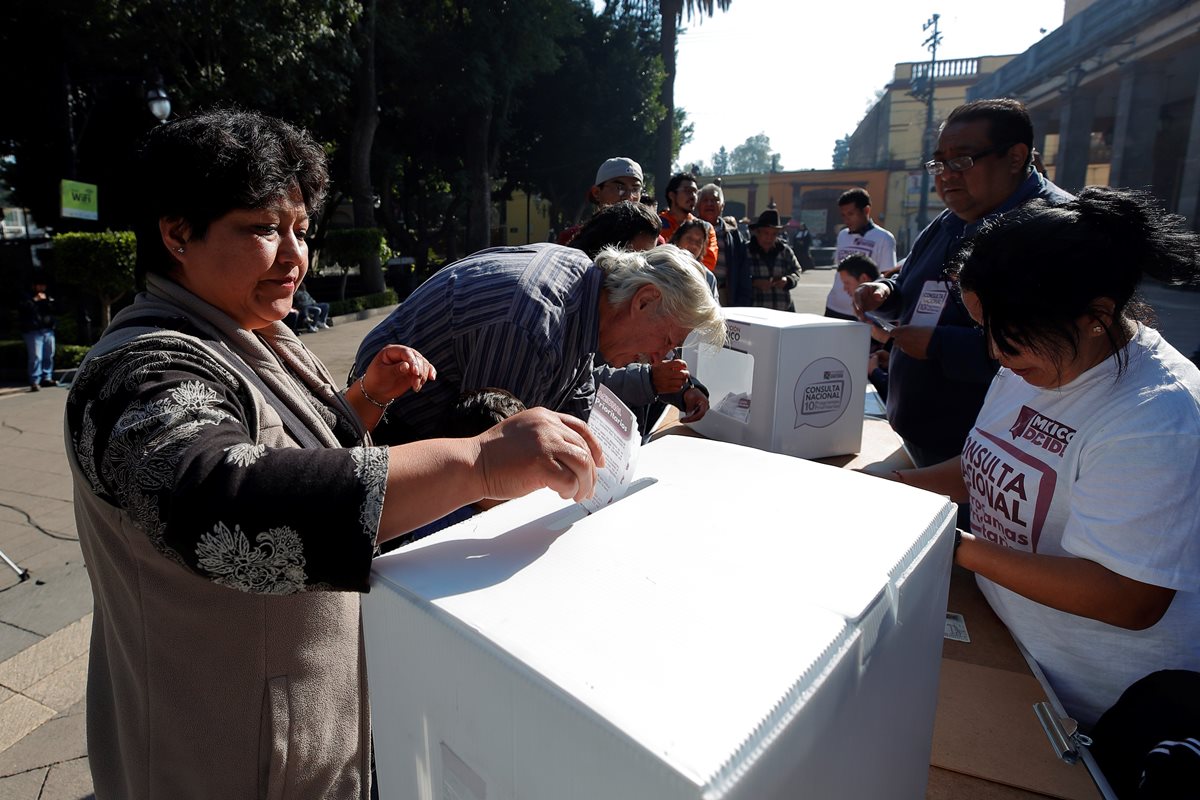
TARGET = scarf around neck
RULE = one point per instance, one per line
(274, 354)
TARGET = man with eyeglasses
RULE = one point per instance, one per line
(617, 179)
(681, 194)
(940, 368)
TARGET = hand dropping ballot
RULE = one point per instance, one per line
(613, 425)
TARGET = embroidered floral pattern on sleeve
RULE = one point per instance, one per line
(274, 566)
(371, 468)
(245, 454)
(159, 428)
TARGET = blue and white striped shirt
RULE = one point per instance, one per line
(525, 319)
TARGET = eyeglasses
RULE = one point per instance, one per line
(959, 163)
(625, 190)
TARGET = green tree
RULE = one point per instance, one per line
(550, 152)
(841, 152)
(720, 161)
(99, 263)
(487, 53)
(86, 66)
(362, 139)
(753, 155)
(672, 13)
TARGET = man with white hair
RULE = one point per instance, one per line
(617, 179)
(733, 278)
(532, 320)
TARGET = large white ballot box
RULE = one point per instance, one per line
(784, 382)
(740, 625)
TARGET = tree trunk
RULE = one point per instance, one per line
(479, 211)
(666, 129)
(362, 138)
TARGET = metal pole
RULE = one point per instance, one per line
(22, 573)
(931, 43)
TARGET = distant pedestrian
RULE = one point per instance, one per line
(313, 314)
(802, 242)
(37, 311)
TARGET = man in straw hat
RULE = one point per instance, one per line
(774, 270)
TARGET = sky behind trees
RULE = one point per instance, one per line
(806, 73)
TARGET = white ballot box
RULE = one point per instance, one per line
(784, 382)
(737, 626)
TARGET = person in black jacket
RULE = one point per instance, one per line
(37, 312)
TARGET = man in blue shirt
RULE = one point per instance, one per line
(533, 320)
(940, 368)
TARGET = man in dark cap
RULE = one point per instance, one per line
(774, 270)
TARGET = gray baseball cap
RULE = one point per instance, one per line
(618, 168)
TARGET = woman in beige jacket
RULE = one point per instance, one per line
(228, 497)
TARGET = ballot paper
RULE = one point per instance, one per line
(613, 425)
(736, 406)
(956, 628)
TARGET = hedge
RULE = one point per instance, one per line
(352, 305)
(101, 264)
(13, 355)
(348, 247)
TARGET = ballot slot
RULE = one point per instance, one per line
(729, 375)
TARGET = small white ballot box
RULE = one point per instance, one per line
(736, 626)
(784, 382)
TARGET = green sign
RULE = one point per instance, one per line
(79, 200)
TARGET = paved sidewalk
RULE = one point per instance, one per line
(45, 620)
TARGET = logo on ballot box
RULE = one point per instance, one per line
(822, 393)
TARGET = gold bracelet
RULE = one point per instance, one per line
(362, 388)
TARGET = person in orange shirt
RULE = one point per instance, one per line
(681, 195)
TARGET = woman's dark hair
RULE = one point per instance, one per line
(200, 168)
(616, 226)
(1039, 268)
(686, 226)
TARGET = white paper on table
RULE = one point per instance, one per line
(613, 425)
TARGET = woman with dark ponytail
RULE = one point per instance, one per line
(1082, 471)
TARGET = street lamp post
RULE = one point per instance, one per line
(159, 103)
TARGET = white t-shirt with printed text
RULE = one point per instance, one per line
(1106, 469)
(877, 244)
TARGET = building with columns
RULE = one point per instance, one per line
(1113, 97)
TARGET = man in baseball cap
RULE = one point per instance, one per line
(617, 179)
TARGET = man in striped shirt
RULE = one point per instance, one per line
(530, 319)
